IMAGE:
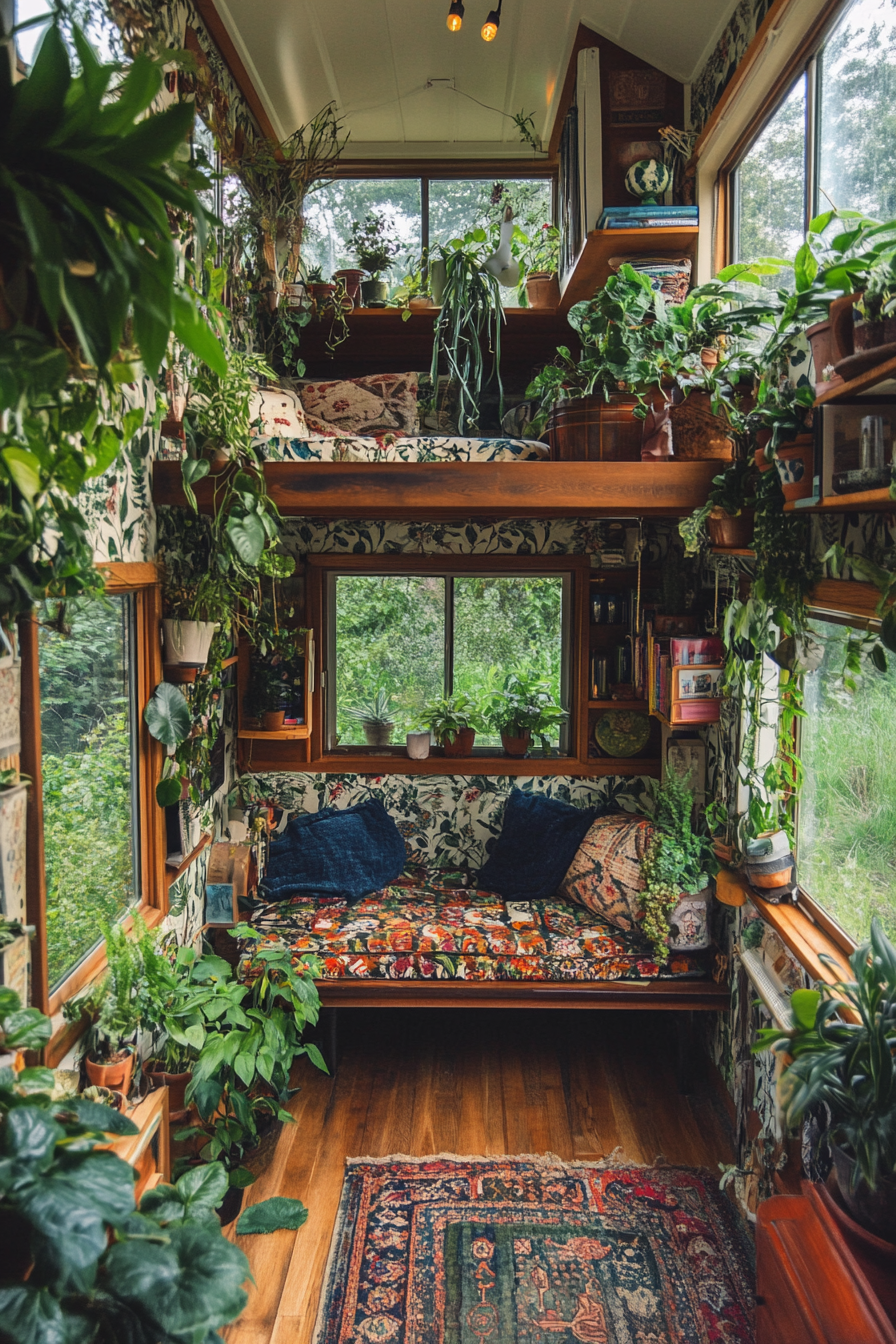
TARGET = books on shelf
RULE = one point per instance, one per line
(684, 678)
(648, 216)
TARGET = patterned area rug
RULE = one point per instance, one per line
(530, 1250)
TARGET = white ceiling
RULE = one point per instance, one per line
(376, 58)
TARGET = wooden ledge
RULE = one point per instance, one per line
(481, 765)
(446, 491)
(806, 940)
(668, 995)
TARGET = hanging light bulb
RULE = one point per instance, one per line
(455, 16)
(492, 23)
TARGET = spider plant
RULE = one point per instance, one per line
(470, 316)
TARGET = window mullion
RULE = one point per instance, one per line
(813, 112)
(449, 635)
(424, 220)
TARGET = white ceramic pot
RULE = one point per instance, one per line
(188, 642)
(418, 746)
(689, 922)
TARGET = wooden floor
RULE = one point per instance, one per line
(577, 1084)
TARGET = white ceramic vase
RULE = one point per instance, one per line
(418, 746)
(188, 642)
(689, 922)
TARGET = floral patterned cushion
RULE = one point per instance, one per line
(277, 413)
(430, 926)
(319, 447)
(605, 875)
(381, 403)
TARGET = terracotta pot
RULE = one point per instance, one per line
(731, 532)
(374, 293)
(709, 358)
(876, 1256)
(273, 720)
(352, 275)
(543, 289)
(697, 434)
(870, 335)
(321, 292)
(590, 429)
(420, 303)
(116, 1076)
(462, 744)
(771, 881)
(176, 1084)
(842, 340)
(819, 338)
(795, 463)
(517, 747)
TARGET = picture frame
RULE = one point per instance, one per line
(700, 681)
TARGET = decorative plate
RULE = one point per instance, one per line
(622, 732)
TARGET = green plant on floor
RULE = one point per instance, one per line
(450, 715)
(91, 292)
(84, 1263)
(847, 1066)
(679, 860)
(468, 321)
(525, 703)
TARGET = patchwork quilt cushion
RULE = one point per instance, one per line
(538, 840)
(375, 404)
(429, 926)
(605, 875)
(337, 852)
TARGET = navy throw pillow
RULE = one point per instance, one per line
(537, 843)
(338, 853)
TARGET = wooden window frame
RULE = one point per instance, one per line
(578, 567)
(141, 580)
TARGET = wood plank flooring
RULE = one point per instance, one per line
(470, 1081)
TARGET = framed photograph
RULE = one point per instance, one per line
(700, 682)
(221, 907)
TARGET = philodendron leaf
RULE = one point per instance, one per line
(167, 716)
(34, 1316)
(104, 1119)
(168, 792)
(272, 1215)
(248, 537)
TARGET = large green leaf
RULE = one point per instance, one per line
(168, 791)
(33, 1316)
(248, 537)
(189, 1287)
(192, 330)
(167, 716)
(272, 1215)
(103, 1119)
(24, 469)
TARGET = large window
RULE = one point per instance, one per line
(847, 813)
(412, 637)
(422, 213)
(89, 766)
(839, 154)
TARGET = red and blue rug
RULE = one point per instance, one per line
(530, 1250)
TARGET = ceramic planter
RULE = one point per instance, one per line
(374, 293)
(296, 294)
(543, 289)
(731, 532)
(689, 922)
(516, 746)
(461, 744)
(352, 276)
(418, 746)
(872, 1209)
(697, 434)
(377, 734)
(176, 1084)
(876, 1255)
(768, 862)
(188, 642)
(13, 817)
(116, 1076)
(273, 720)
(795, 464)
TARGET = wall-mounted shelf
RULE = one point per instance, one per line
(636, 706)
(744, 551)
(864, 501)
(863, 382)
(172, 873)
(591, 270)
(301, 730)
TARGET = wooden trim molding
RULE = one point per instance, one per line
(234, 62)
(843, 597)
(30, 756)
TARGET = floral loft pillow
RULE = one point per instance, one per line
(605, 875)
(372, 405)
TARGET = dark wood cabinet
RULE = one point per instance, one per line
(809, 1287)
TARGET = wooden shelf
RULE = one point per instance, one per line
(484, 765)
(447, 491)
(734, 550)
(173, 873)
(639, 706)
(864, 501)
(178, 674)
(301, 730)
(863, 382)
(591, 270)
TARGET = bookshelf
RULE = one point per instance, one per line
(612, 641)
(591, 270)
(683, 679)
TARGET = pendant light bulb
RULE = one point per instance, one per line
(455, 16)
(490, 27)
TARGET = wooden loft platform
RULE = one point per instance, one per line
(592, 266)
(443, 491)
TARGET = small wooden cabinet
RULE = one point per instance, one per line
(148, 1152)
(809, 1287)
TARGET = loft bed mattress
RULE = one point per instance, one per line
(397, 448)
(430, 926)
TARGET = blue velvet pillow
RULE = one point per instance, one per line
(538, 841)
(342, 853)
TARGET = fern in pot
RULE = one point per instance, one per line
(676, 870)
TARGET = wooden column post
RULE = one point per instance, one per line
(35, 879)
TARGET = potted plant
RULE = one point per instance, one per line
(375, 251)
(843, 1067)
(469, 319)
(875, 311)
(540, 260)
(452, 721)
(524, 706)
(413, 292)
(676, 870)
(726, 519)
(375, 717)
(321, 290)
(116, 1004)
(266, 694)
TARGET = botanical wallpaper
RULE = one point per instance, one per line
(713, 79)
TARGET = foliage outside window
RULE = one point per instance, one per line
(770, 186)
(89, 765)
(418, 637)
(847, 814)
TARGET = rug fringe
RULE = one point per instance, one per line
(616, 1158)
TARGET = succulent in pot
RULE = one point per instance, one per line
(375, 717)
(525, 706)
(453, 722)
(846, 1062)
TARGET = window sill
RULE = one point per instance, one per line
(806, 940)
(363, 764)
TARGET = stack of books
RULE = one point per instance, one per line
(649, 217)
(684, 678)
